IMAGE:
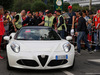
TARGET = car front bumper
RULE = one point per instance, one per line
(40, 60)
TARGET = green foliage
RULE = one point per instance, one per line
(27, 6)
(7, 4)
(17, 6)
(76, 7)
(65, 6)
(76, 4)
(38, 6)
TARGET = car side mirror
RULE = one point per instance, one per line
(69, 38)
(7, 38)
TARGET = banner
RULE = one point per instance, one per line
(58, 4)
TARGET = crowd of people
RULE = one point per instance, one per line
(81, 24)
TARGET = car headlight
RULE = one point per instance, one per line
(15, 47)
(67, 47)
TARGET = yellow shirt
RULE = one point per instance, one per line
(8, 17)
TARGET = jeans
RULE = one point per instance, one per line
(82, 36)
(97, 38)
(62, 33)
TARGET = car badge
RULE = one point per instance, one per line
(43, 56)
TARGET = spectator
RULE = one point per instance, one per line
(82, 33)
(29, 20)
(37, 19)
(89, 27)
(76, 19)
(61, 26)
(50, 20)
(2, 30)
(96, 21)
(87, 13)
(6, 25)
(85, 16)
(12, 15)
(17, 21)
(91, 15)
(70, 20)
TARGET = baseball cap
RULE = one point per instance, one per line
(69, 7)
(98, 11)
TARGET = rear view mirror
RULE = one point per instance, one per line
(7, 38)
(69, 38)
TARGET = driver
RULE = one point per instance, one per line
(27, 35)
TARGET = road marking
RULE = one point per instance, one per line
(94, 60)
(67, 73)
(92, 73)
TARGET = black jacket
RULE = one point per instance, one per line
(37, 20)
(81, 25)
(29, 21)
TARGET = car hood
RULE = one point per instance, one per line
(41, 45)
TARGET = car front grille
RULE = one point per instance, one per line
(57, 62)
(30, 63)
(43, 60)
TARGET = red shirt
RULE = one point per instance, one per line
(24, 18)
(96, 20)
(2, 29)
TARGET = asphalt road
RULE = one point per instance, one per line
(86, 64)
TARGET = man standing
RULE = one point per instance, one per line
(96, 21)
(37, 19)
(70, 27)
(61, 26)
(82, 33)
(2, 30)
(17, 21)
(50, 20)
(85, 16)
(28, 21)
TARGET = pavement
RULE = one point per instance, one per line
(86, 64)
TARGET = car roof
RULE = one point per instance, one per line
(41, 27)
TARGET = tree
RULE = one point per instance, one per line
(38, 6)
(7, 4)
(76, 7)
(65, 6)
(27, 6)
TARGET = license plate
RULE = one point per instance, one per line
(61, 57)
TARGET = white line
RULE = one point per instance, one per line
(94, 60)
(67, 73)
(92, 73)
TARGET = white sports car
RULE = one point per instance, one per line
(39, 48)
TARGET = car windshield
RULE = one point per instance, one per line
(37, 34)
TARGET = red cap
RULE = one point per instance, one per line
(69, 7)
(28, 12)
(98, 11)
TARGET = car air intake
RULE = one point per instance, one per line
(57, 62)
(43, 59)
(30, 63)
